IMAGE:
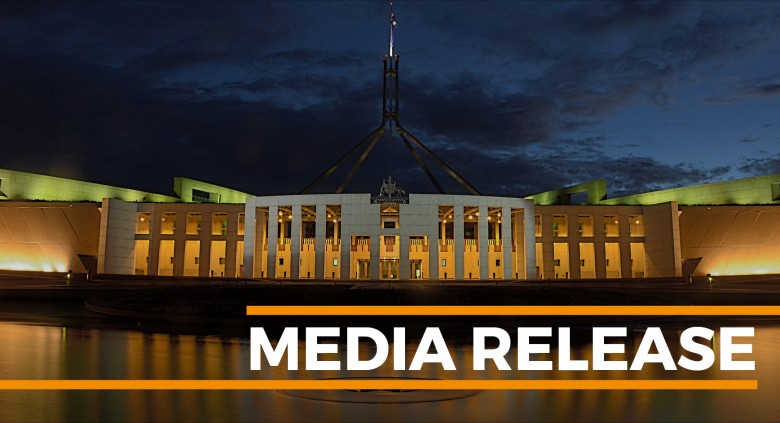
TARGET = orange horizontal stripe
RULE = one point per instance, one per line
(513, 310)
(375, 384)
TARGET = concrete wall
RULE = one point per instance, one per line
(47, 236)
(662, 234)
(731, 240)
(116, 250)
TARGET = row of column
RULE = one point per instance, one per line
(253, 248)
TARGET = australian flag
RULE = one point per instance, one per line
(393, 24)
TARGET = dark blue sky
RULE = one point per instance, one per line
(517, 97)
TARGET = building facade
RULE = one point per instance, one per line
(55, 224)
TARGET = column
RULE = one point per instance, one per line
(506, 247)
(458, 242)
(484, 248)
(249, 239)
(574, 246)
(319, 242)
(273, 234)
(346, 240)
(530, 239)
(598, 241)
(295, 242)
(374, 254)
(180, 239)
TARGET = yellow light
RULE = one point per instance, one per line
(444, 221)
(477, 213)
(328, 215)
(637, 222)
(470, 217)
(280, 220)
(499, 213)
(334, 220)
(450, 216)
(488, 217)
(142, 219)
(289, 217)
(499, 221)
(280, 213)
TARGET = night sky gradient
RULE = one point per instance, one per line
(518, 98)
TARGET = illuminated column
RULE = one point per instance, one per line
(320, 224)
(458, 243)
(346, 239)
(530, 239)
(249, 239)
(403, 256)
(506, 247)
(484, 248)
(295, 241)
(273, 234)
(432, 225)
(573, 220)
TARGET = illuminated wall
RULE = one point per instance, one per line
(749, 191)
(731, 240)
(47, 236)
(30, 186)
(22, 186)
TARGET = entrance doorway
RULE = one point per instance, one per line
(415, 269)
(388, 268)
(364, 267)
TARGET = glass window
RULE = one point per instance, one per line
(585, 222)
(538, 229)
(636, 225)
(560, 227)
(144, 223)
(611, 225)
(241, 223)
(193, 224)
(168, 224)
(219, 224)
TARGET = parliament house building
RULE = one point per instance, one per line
(51, 224)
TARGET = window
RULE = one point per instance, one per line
(611, 228)
(219, 224)
(636, 225)
(199, 196)
(335, 262)
(585, 222)
(389, 224)
(281, 261)
(144, 223)
(538, 229)
(193, 223)
(168, 224)
(582, 263)
(560, 226)
(241, 218)
(444, 262)
(498, 262)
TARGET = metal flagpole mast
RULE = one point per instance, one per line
(391, 113)
(390, 133)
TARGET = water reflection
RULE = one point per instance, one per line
(47, 352)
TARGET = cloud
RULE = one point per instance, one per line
(750, 140)
(763, 166)
(265, 96)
